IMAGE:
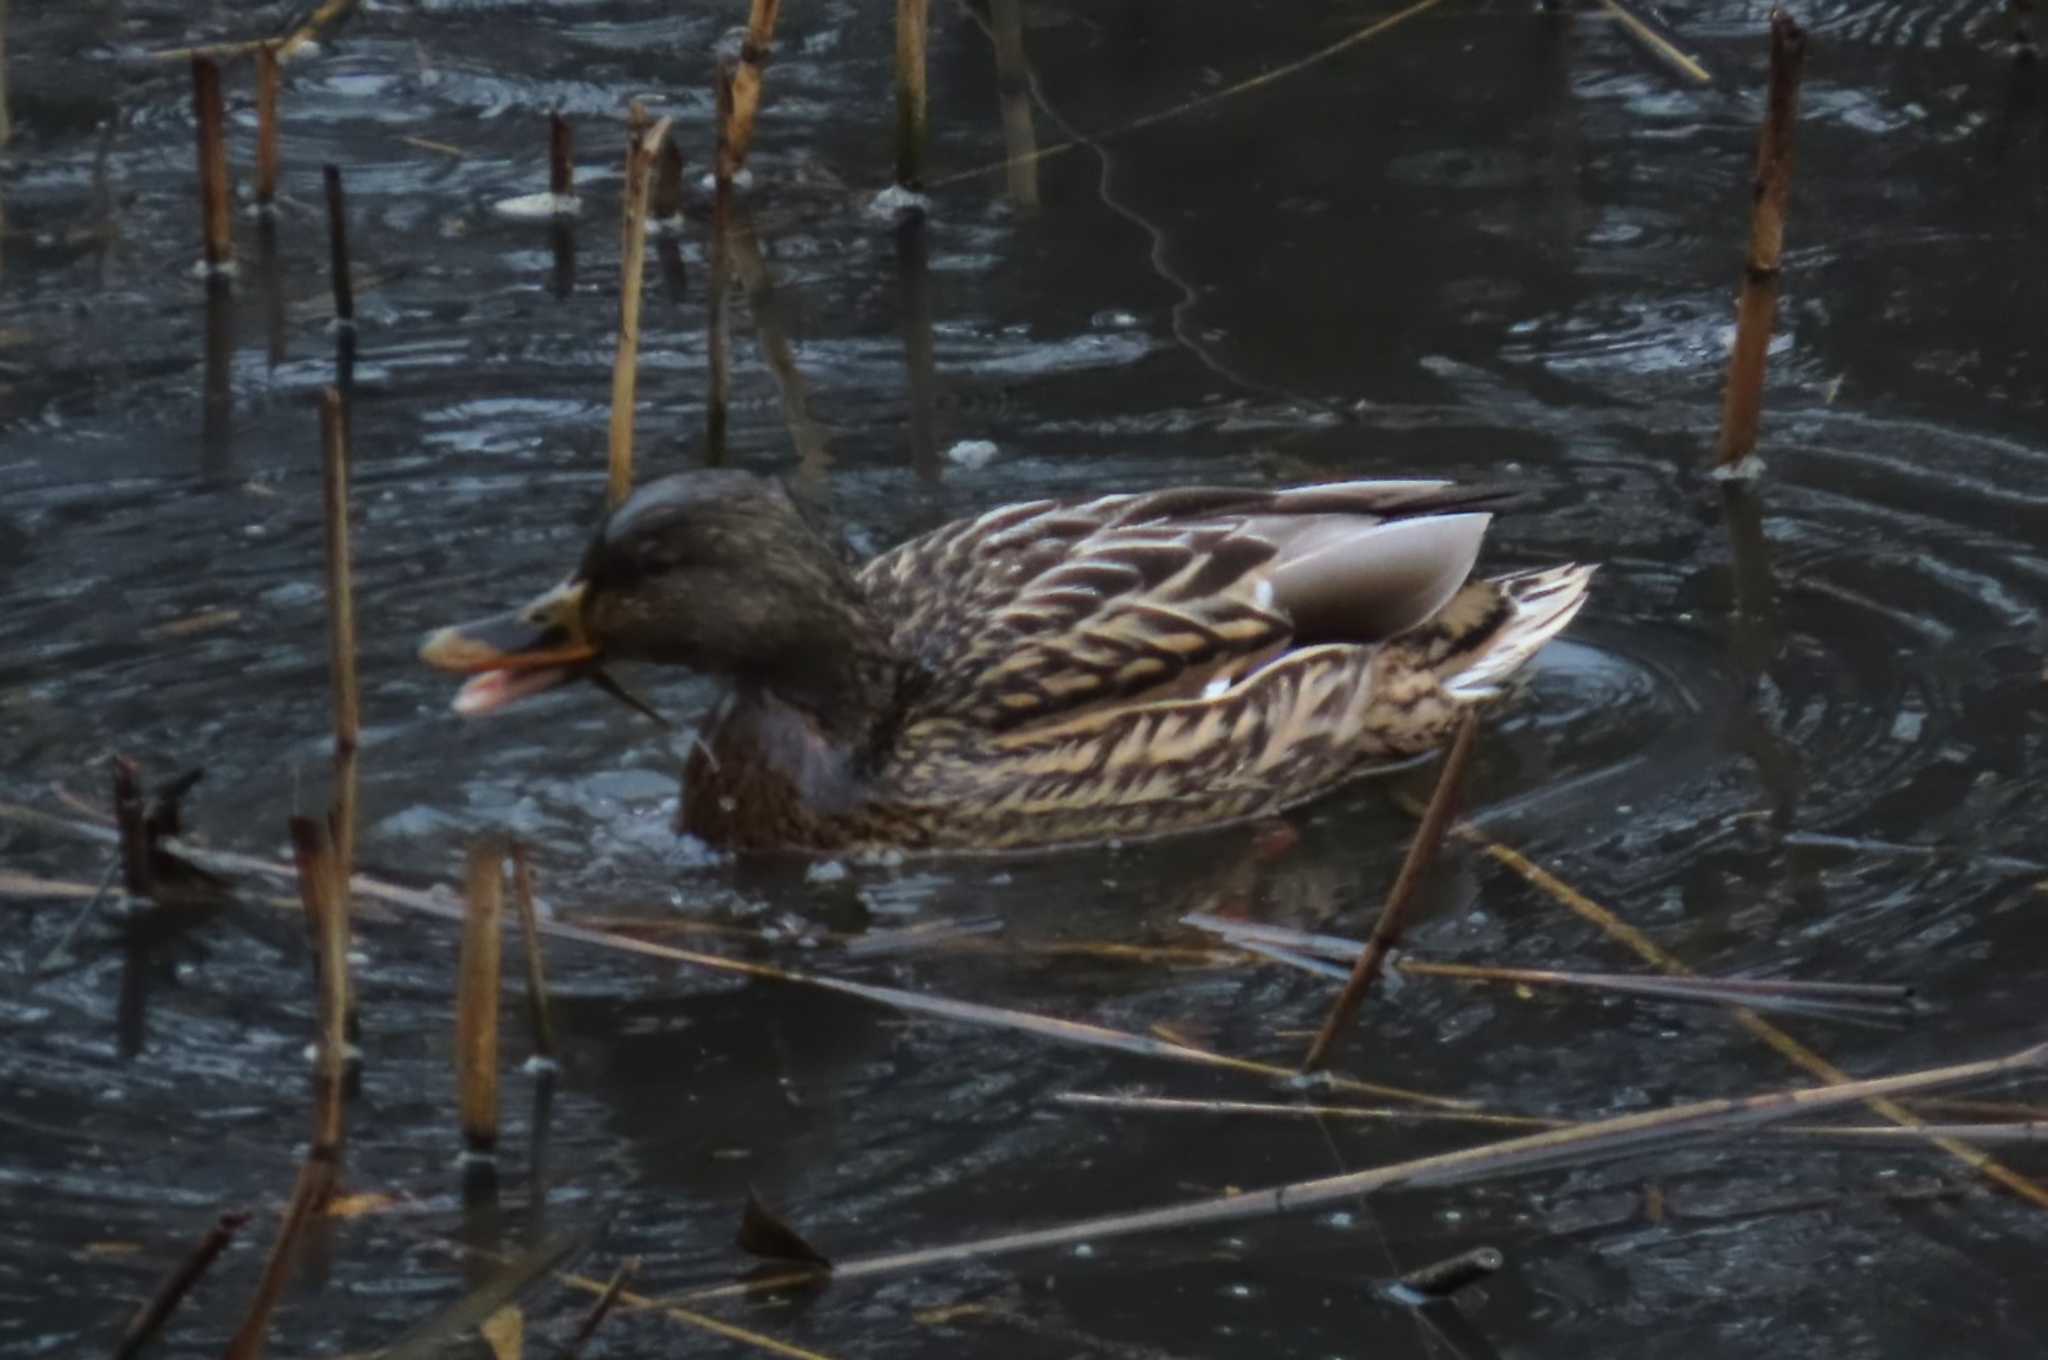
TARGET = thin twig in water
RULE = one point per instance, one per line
(1657, 45)
(150, 1318)
(601, 1309)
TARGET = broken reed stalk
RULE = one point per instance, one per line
(1386, 932)
(736, 126)
(321, 890)
(718, 328)
(601, 1309)
(149, 1319)
(214, 192)
(536, 974)
(337, 248)
(476, 1002)
(269, 83)
(341, 624)
(640, 153)
(561, 158)
(1757, 308)
(913, 22)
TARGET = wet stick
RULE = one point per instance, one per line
(537, 1015)
(1756, 309)
(913, 22)
(341, 624)
(601, 1309)
(640, 152)
(476, 1004)
(1387, 931)
(269, 82)
(150, 1318)
(736, 127)
(214, 191)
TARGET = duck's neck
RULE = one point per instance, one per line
(845, 678)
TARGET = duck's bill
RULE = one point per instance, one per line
(514, 656)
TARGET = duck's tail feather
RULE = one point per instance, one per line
(1536, 605)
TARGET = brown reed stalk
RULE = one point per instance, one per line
(640, 152)
(601, 1309)
(337, 248)
(341, 624)
(476, 1001)
(269, 84)
(149, 1319)
(736, 135)
(561, 156)
(913, 21)
(1386, 932)
(537, 1015)
(214, 190)
(1757, 307)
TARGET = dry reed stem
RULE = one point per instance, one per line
(640, 152)
(496, 1292)
(325, 900)
(601, 1309)
(1386, 932)
(312, 1189)
(537, 1015)
(1757, 307)
(151, 1316)
(736, 131)
(325, 14)
(214, 191)
(337, 248)
(341, 624)
(1379, 1114)
(1657, 45)
(561, 156)
(1786, 1046)
(896, 998)
(1546, 1148)
(913, 25)
(1013, 85)
(269, 82)
(1260, 81)
(476, 1000)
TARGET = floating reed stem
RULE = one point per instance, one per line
(1441, 1279)
(213, 166)
(341, 624)
(149, 1319)
(537, 1015)
(476, 1003)
(561, 159)
(736, 136)
(1657, 45)
(640, 152)
(1757, 307)
(337, 248)
(1386, 932)
(913, 21)
(269, 83)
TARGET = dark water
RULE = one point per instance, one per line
(1486, 243)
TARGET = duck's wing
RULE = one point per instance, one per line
(1037, 611)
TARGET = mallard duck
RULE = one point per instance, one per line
(1047, 673)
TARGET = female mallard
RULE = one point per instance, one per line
(1048, 673)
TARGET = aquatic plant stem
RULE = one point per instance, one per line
(1657, 45)
(214, 192)
(269, 84)
(149, 1319)
(1386, 932)
(341, 623)
(561, 158)
(476, 1002)
(736, 124)
(913, 25)
(337, 248)
(644, 142)
(1757, 307)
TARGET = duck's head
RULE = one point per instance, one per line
(715, 570)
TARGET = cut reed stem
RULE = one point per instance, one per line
(269, 85)
(1757, 307)
(1386, 932)
(341, 624)
(537, 1014)
(644, 142)
(736, 137)
(913, 22)
(150, 1317)
(214, 191)
(337, 248)
(476, 1002)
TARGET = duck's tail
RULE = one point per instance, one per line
(1528, 608)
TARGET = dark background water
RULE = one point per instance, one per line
(1488, 242)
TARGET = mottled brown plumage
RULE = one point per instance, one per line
(1048, 673)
